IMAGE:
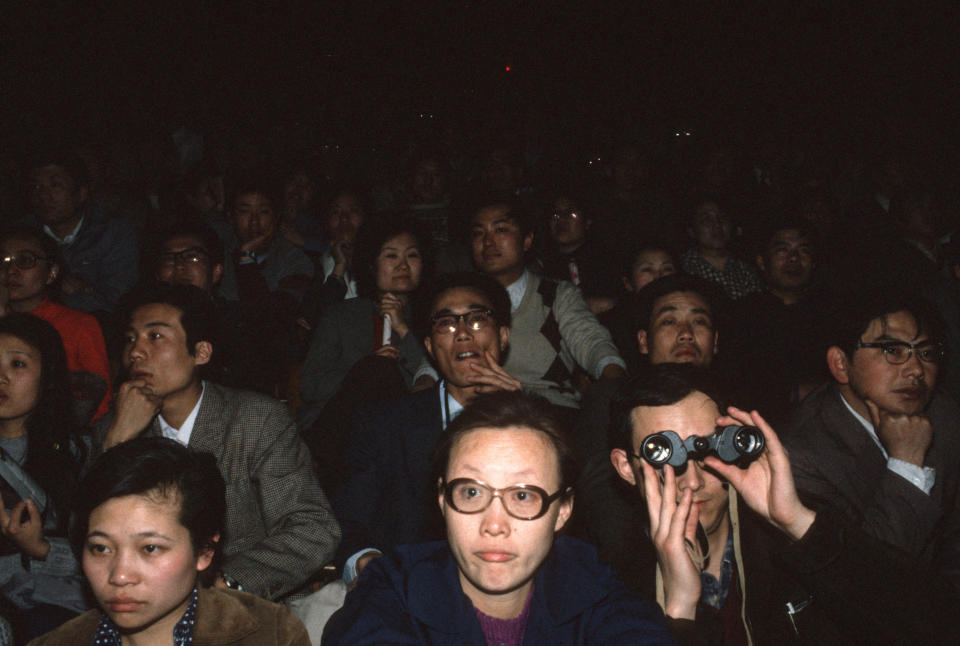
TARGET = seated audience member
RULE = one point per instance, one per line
(570, 253)
(553, 329)
(880, 443)
(710, 257)
(254, 349)
(150, 518)
(427, 198)
(647, 264)
(385, 497)
(502, 576)
(262, 266)
(42, 453)
(365, 348)
(100, 254)
(300, 222)
(344, 212)
(784, 321)
(709, 552)
(28, 270)
(279, 526)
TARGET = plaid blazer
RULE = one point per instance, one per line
(280, 528)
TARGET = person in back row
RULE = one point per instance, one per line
(150, 518)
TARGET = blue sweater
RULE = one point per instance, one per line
(414, 597)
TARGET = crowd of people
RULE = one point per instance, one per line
(358, 364)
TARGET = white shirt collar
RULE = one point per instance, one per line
(867, 425)
(67, 239)
(449, 406)
(183, 433)
(516, 290)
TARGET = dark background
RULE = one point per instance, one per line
(815, 69)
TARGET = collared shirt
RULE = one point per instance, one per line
(516, 290)
(713, 592)
(923, 478)
(67, 239)
(108, 635)
(328, 263)
(183, 433)
(737, 278)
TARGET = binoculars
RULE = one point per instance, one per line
(729, 443)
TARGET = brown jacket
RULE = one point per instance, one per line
(223, 617)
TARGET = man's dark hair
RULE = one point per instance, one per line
(157, 468)
(857, 312)
(484, 285)
(662, 384)
(661, 287)
(765, 235)
(257, 181)
(198, 315)
(509, 409)
(697, 199)
(208, 238)
(49, 246)
(516, 210)
(68, 160)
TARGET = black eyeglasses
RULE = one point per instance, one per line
(523, 502)
(22, 259)
(190, 256)
(899, 352)
(476, 320)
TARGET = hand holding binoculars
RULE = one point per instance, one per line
(729, 443)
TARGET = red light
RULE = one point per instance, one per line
(508, 68)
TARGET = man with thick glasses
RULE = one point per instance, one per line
(384, 499)
(880, 443)
(503, 576)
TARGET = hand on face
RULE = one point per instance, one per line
(905, 437)
(134, 408)
(342, 252)
(489, 376)
(767, 485)
(673, 529)
(26, 535)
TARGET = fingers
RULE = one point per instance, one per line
(652, 493)
(388, 351)
(874, 412)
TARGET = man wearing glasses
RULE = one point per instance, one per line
(385, 496)
(879, 443)
(250, 335)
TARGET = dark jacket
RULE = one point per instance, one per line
(387, 497)
(224, 618)
(416, 598)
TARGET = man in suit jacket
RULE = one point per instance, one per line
(879, 443)
(388, 495)
(280, 528)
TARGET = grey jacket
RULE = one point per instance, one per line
(280, 528)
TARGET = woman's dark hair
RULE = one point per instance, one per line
(658, 385)
(54, 451)
(509, 409)
(370, 240)
(157, 467)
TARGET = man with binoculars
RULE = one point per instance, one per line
(716, 489)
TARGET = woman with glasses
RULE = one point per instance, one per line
(502, 576)
(29, 270)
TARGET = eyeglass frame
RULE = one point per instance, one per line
(461, 318)
(569, 214)
(911, 349)
(446, 488)
(178, 257)
(6, 261)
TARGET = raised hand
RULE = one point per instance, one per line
(489, 376)
(393, 305)
(26, 535)
(767, 485)
(905, 437)
(134, 408)
(673, 528)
